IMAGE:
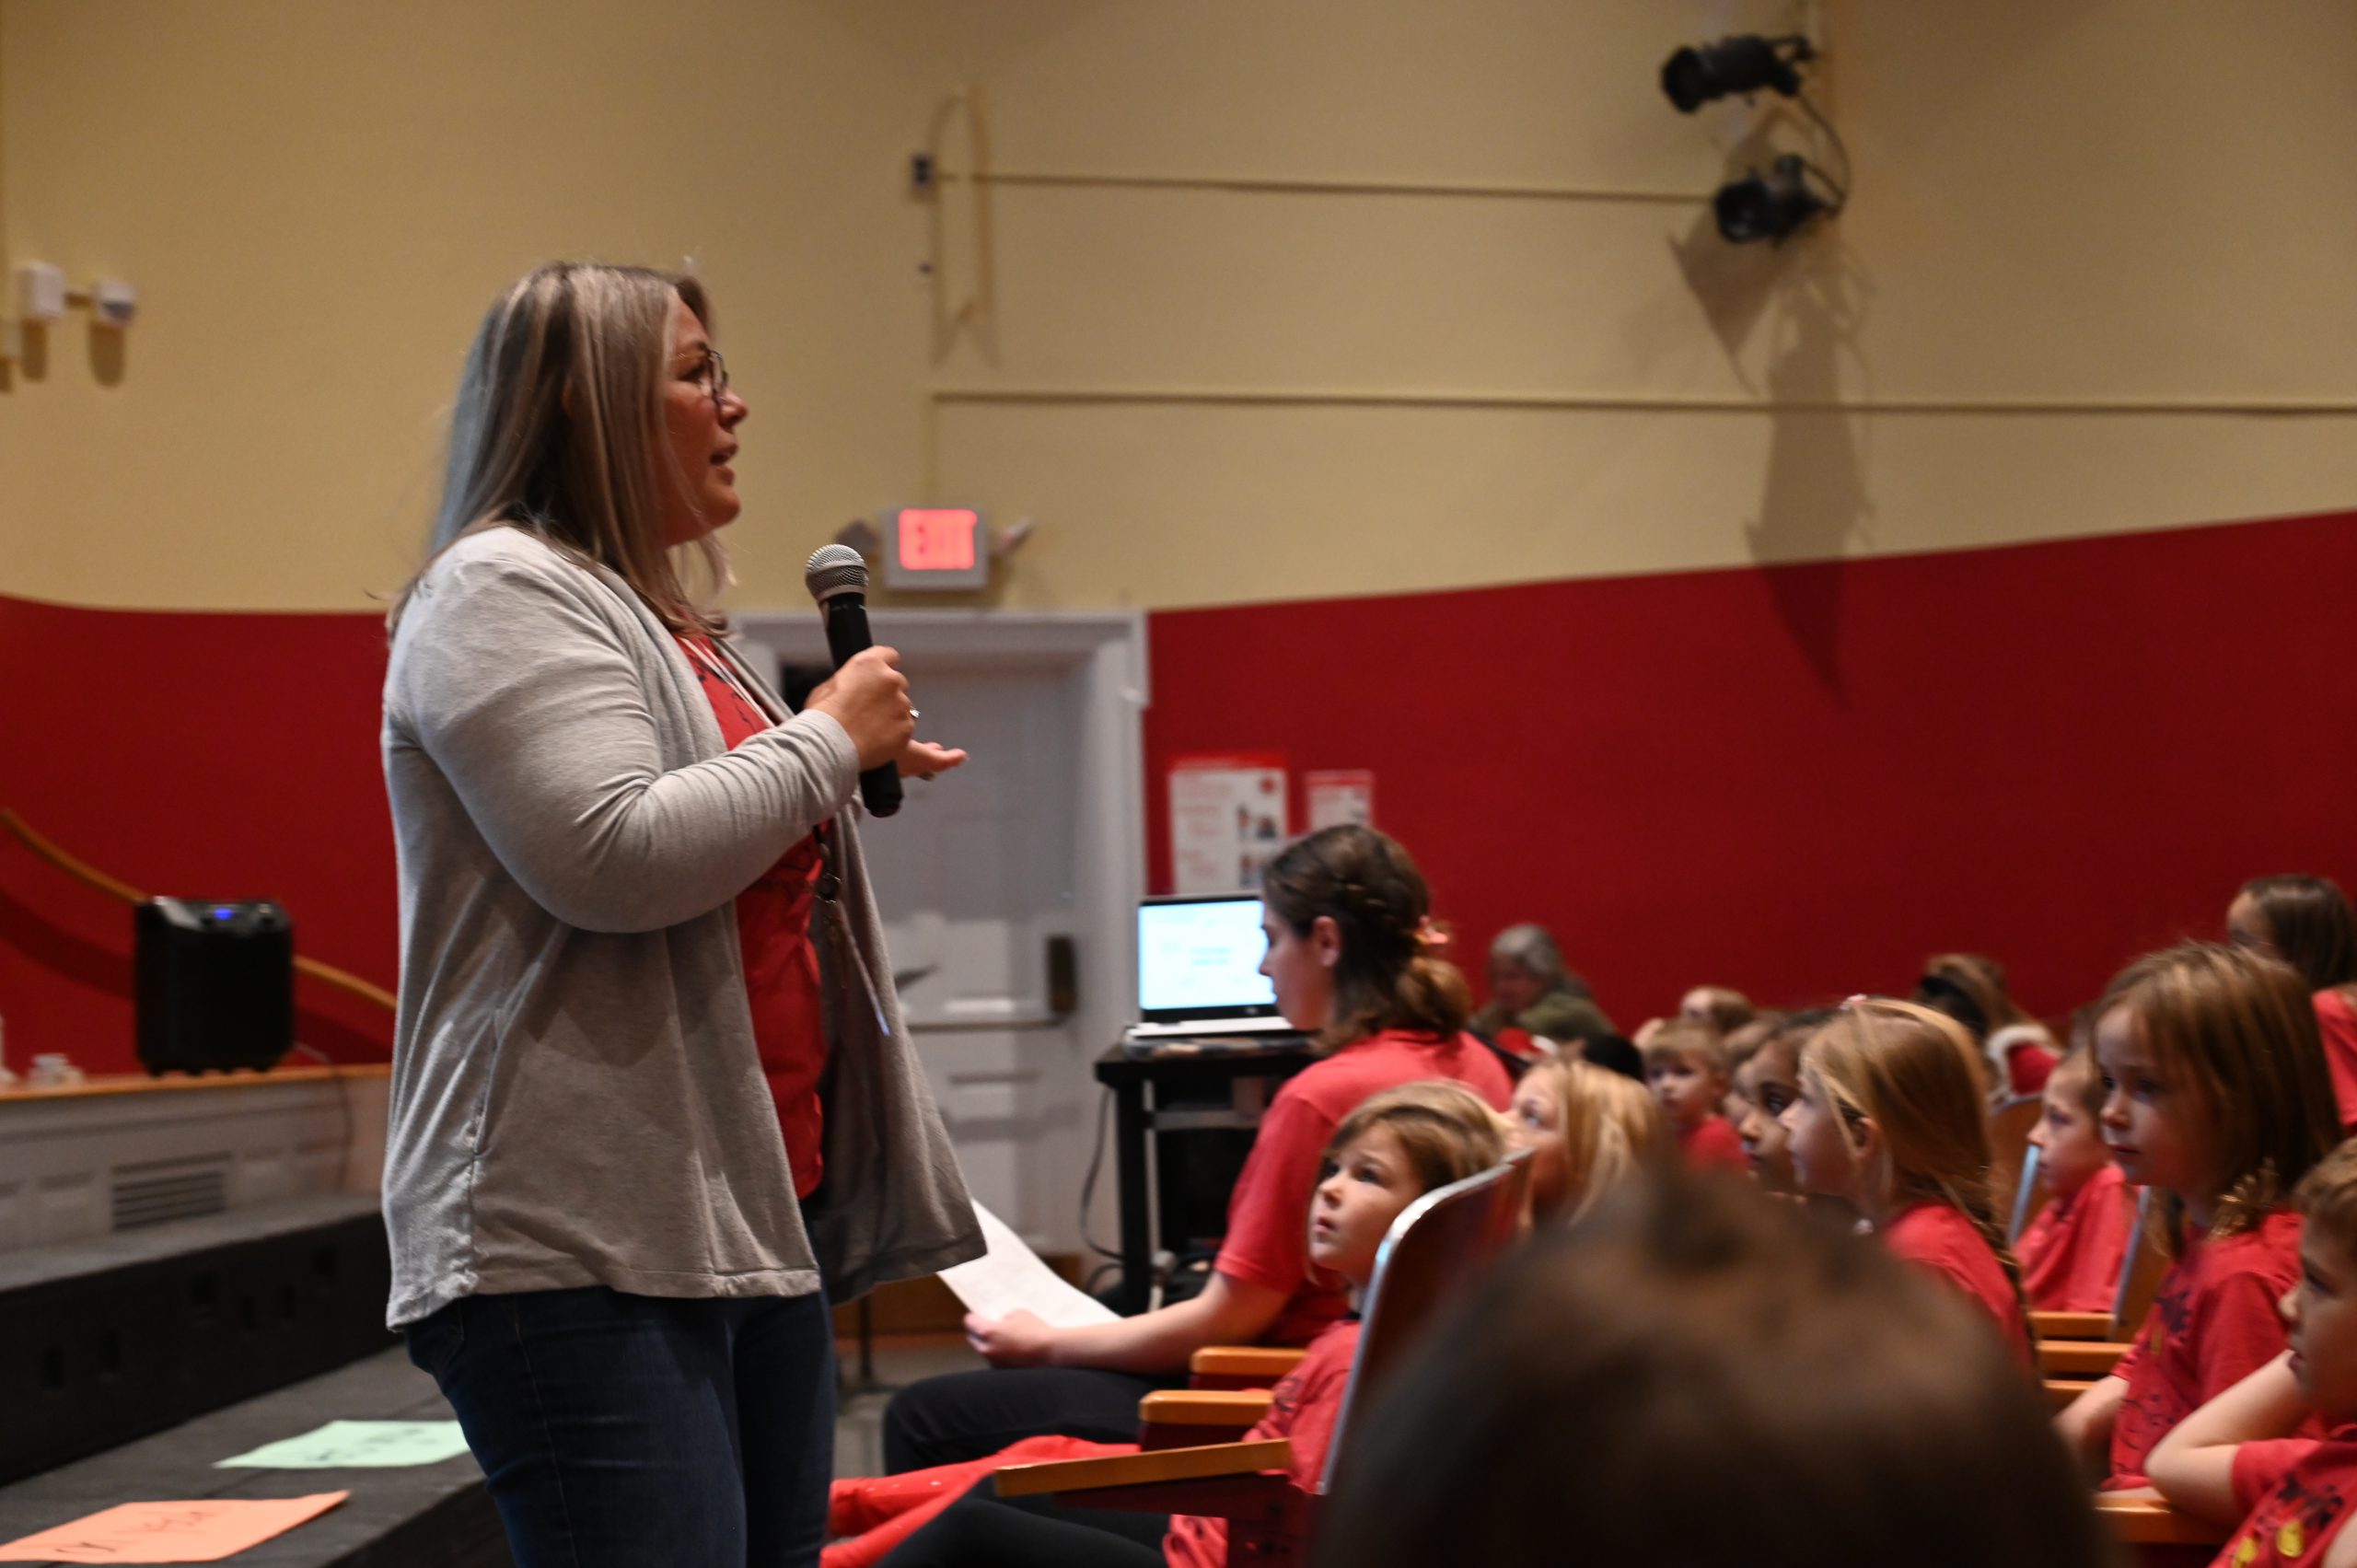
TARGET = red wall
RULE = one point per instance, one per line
(1801, 780)
(1796, 780)
(205, 756)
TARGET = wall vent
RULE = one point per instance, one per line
(159, 1191)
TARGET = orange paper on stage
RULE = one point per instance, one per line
(205, 1530)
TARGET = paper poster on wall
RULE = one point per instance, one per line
(1340, 795)
(1227, 820)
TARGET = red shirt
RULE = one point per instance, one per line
(1268, 1222)
(2214, 1324)
(1945, 1241)
(1714, 1142)
(2072, 1254)
(781, 966)
(1307, 1404)
(2296, 1491)
(2338, 1025)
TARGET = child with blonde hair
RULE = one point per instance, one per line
(1685, 1064)
(1889, 1118)
(1586, 1127)
(2216, 1095)
(2237, 1457)
(1694, 1374)
(2073, 1253)
(1393, 1148)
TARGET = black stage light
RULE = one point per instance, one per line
(1744, 63)
(1767, 206)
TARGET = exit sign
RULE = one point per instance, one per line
(935, 547)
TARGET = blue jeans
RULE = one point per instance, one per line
(631, 1430)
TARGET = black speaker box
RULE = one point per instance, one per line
(214, 984)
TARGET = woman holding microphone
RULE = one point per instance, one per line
(652, 1099)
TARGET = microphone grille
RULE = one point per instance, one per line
(833, 569)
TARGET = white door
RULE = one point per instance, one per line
(1036, 842)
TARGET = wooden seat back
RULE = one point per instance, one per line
(1439, 1245)
(2009, 1150)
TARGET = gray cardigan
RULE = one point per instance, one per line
(577, 1099)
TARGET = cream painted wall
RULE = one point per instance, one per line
(2096, 278)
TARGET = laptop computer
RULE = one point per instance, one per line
(1199, 971)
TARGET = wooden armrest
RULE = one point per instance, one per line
(1240, 1366)
(1136, 1469)
(2078, 1358)
(2060, 1391)
(2072, 1325)
(2139, 1518)
(1204, 1406)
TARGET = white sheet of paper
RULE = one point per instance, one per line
(1010, 1278)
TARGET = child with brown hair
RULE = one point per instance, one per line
(1352, 959)
(1889, 1118)
(2072, 1254)
(1586, 1127)
(1686, 1064)
(1769, 1082)
(2237, 1456)
(1391, 1150)
(2217, 1098)
(1694, 1374)
(2306, 921)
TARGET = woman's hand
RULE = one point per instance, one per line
(869, 697)
(922, 760)
(1019, 1338)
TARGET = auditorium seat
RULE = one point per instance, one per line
(1436, 1248)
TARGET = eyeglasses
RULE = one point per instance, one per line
(712, 371)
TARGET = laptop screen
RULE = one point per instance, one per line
(1201, 959)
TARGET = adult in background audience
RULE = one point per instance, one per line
(1532, 991)
(2306, 921)
(615, 842)
(1695, 1374)
(2021, 1052)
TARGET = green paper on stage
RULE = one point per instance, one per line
(357, 1445)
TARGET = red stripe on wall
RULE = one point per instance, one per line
(210, 755)
(1800, 780)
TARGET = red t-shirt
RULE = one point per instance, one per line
(2072, 1254)
(1307, 1404)
(1943, 1241)
(2296, 1491)
(1268, 1213)
(2337, 1024)
(1713, 1141)
(781, 966)
(2214, 1324)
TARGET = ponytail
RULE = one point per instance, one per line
(1390, 975)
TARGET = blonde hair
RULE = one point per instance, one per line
(2238, 1032)
(1910, 1071)
(558, 431)
(1687, 1037)
(1447, 1132)
(1613, 1126)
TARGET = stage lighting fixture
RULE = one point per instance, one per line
(1769, 205)
(1744, 63)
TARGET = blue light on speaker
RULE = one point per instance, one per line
(223, 911)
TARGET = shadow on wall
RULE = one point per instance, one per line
(1812, 293)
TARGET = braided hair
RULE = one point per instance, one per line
(1389, 976)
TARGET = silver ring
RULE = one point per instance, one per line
(913, 712)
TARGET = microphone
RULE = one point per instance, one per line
(837, 578)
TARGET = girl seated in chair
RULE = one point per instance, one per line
(1355, 961)
(1386, 1154)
